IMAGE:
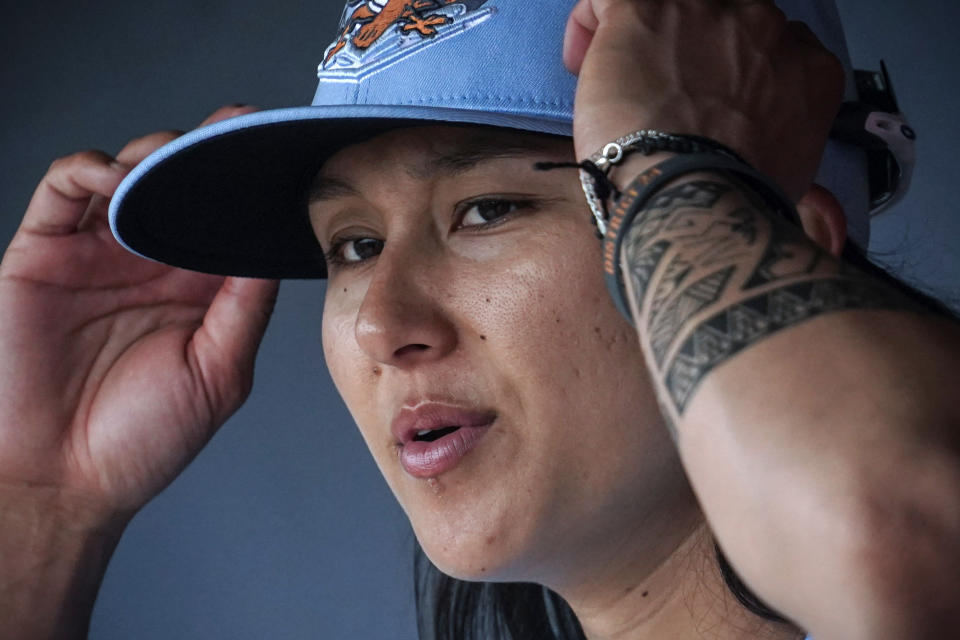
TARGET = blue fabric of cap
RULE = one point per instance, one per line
(230, 198)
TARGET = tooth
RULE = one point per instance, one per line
(423, 433)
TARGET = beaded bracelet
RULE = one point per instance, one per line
(595, 170)
(646, 142)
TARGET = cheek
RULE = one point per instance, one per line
(548, 310)
(336, 336)
(550, 335)
(570, 377)
(349, 368)
(356, 378)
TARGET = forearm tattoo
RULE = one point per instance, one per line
(712, 272)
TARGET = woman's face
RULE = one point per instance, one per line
(465, 290)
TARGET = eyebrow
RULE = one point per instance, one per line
(329, 188)
(465, 157)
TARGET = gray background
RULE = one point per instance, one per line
(282, 528)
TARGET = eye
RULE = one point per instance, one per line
(481, 213)
(351, 251)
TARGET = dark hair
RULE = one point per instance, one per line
(452, 609)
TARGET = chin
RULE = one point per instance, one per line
(477, 557)
(471, 567)
(473, 525)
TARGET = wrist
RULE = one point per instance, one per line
(645, 148)
(74, 513)
(54, 549)
(640, 195)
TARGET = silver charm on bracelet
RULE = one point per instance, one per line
(597, 206)
(647, 142)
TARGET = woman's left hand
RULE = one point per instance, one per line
(736, 71)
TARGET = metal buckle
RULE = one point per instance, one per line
(876, 124)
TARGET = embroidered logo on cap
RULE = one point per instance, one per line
(375, 34)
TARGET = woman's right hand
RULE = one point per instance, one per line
(115, 370)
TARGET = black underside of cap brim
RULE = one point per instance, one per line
(236, 204)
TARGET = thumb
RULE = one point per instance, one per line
(225, 346)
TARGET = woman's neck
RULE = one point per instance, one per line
(684, 596)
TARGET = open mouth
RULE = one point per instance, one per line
(429, 435)
(434, 437)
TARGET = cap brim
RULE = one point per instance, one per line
(230, 198)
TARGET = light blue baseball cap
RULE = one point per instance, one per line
(230, 198)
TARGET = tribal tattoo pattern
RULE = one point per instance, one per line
(712, 272)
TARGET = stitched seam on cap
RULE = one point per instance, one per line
(488, 96)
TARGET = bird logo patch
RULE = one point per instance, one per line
(375, 34)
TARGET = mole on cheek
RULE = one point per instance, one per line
(377, 371)
(482, 337)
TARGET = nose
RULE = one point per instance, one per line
(402, 320)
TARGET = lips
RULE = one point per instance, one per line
(435, 437)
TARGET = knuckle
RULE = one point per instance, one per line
(78, 158)
(157, 137)
(835, 73)
(166, 134)
(764, 16)
(832, 63)
(775, 13)
(244, 387)
(138, 148)
(230, 110)
(235, 394)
